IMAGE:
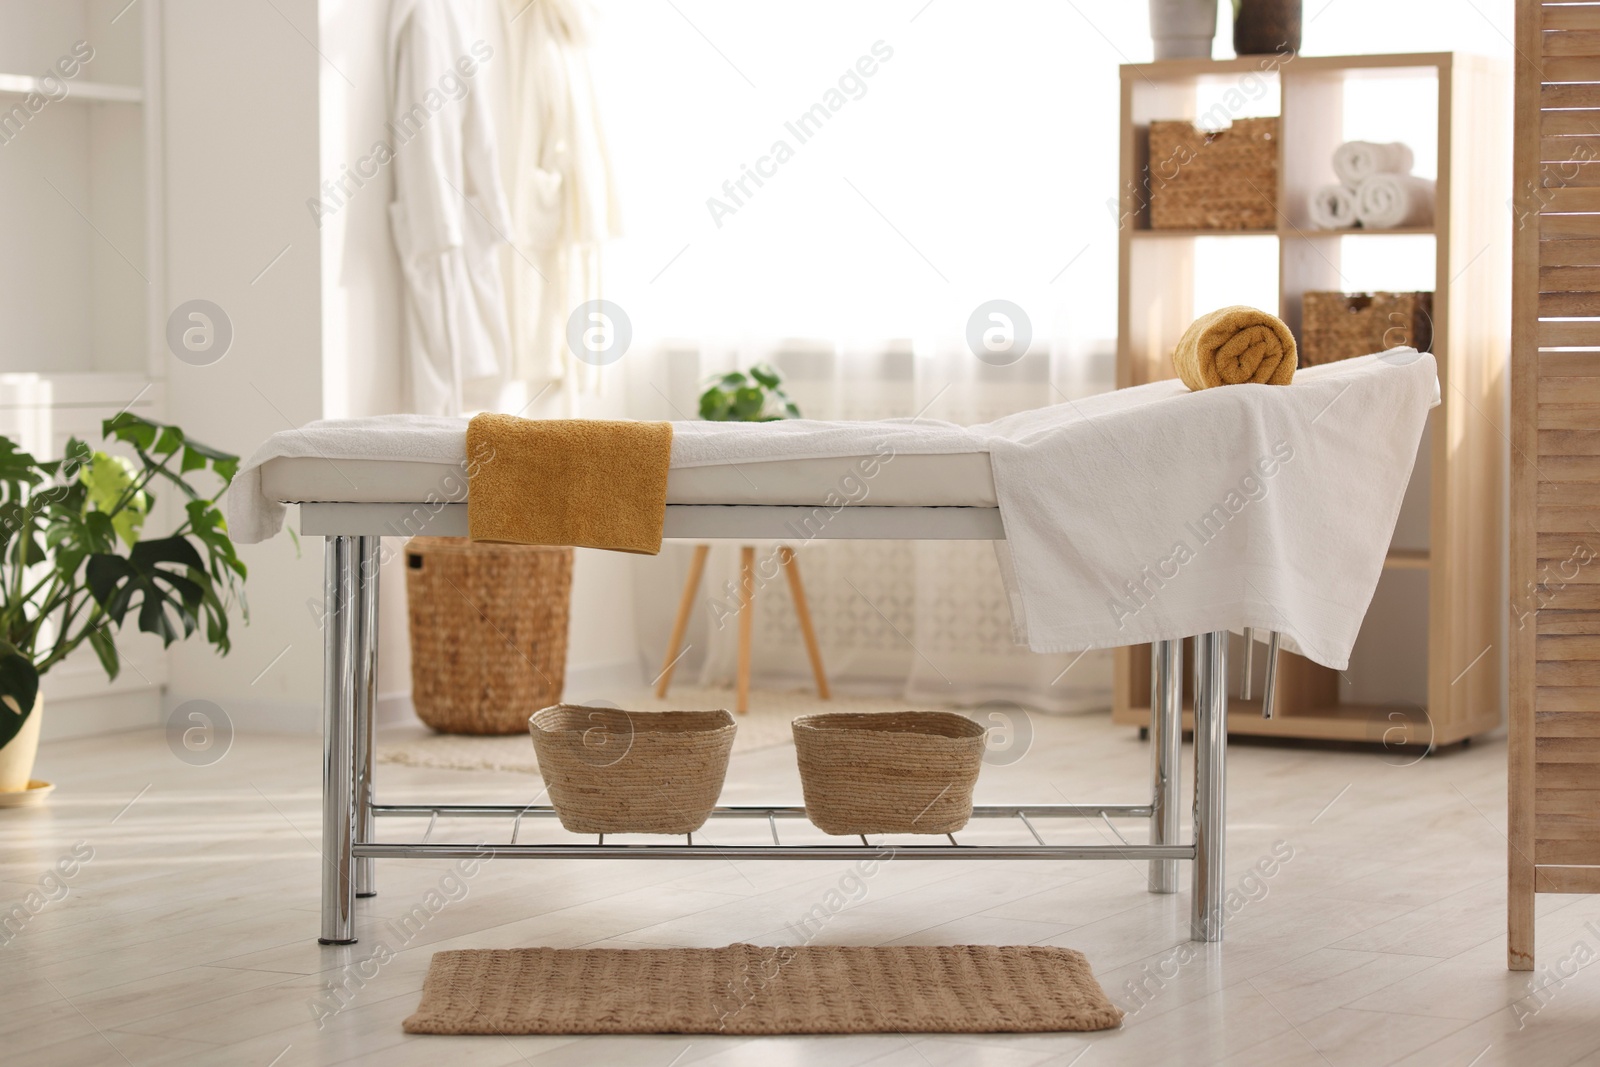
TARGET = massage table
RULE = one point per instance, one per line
(1092, 481)
(355, 504)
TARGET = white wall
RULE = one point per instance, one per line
(241, 157)
(361, 285)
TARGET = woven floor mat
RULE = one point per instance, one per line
(757, 989)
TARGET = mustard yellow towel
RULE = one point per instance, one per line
(1233, 345)
(588, 483)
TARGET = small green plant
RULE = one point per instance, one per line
(754, 397)
(73, 564)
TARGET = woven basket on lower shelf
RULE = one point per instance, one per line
(488, 632)
(1335, 326)
(1214, 179)
(632, 772)
(904, 772)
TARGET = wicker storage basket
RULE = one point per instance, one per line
(1337, 326)
(488, 632)
(1214, 180)
(632, 772)
(905, 772)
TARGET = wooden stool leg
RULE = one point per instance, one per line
(802, 611)
(747, 596)
(697, 567)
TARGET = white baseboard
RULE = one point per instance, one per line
(594, 681)
(260, 716)
(395, 709)
(586, 682)
(603, 681)
(104, 713)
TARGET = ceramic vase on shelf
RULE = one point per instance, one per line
(1183, 29)
(18, 754)
(1266, 27)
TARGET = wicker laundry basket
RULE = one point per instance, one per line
(632, 772)
(488, 632)
(1337, 326)
(903, 772)
(1214, 179)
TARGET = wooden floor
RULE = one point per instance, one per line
(186, 932)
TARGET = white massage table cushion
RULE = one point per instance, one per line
(962, 479)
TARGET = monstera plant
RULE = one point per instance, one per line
(77, 563)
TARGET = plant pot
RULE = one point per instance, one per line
(16, 758)
(1266, 27)
(1183, 29)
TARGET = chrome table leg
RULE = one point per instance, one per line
(1247, 673)
(1166, 744)
(1210, 780)
(1271, 694)
(366, 655)
(339, 642)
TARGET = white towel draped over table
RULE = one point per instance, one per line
(1135, 515)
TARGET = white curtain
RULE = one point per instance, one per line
(928, 620)
(967, 153)
(563, 195)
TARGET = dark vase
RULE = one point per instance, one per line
(1263, 27)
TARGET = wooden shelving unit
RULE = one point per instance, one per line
(1441, 593)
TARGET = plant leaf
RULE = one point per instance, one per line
(714, 405)
(170, 440)
(104, 575)
(108, 479)
(19, 688)
(147, 554)
(100, 640)
(134, 429)
(748, 402)
(153, 618)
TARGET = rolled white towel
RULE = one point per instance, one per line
(1333, 207)
(1356, 161)
(1386, 201)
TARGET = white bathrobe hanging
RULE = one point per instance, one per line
(449, 214)
(563, 199)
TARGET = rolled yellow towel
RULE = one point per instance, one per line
(1233, 345)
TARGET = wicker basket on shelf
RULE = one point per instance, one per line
(1214, 179)
(632, 772)
(905, 772)
(1337, 326)
(488, 632)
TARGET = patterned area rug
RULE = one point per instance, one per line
(766, 725)
(758, 989)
